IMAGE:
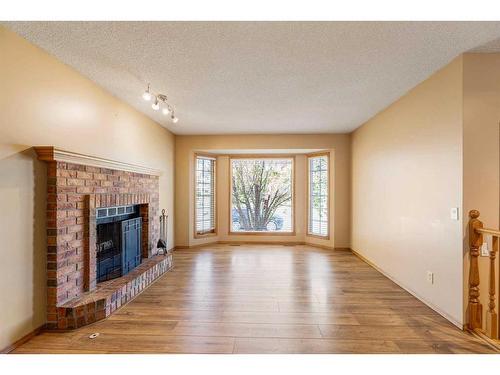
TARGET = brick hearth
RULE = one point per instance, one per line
(74, 192)
(111, 295)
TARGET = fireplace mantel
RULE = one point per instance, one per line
(51, 153)
(77, 186)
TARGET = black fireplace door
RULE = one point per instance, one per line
(131, 244)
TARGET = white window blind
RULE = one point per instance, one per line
(205, 195)
(318, 195)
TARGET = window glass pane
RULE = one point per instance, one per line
(261, 195)
(205, 195)
(315, 214)
(318, 195)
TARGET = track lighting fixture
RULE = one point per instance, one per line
(160, 101)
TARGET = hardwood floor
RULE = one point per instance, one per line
(267, 299)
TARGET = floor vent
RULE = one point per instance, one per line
(234, 244)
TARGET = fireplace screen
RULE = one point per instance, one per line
(118, 243)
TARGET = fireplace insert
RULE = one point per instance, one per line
(118, 241)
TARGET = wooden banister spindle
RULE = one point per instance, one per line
(491, 316)
(475, 241)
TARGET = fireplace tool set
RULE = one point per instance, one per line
(162, 242)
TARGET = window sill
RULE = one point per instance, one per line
(205, 235)
(262, 233)
(327, 237)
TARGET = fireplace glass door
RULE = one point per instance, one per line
(109, 253)
(131, 244)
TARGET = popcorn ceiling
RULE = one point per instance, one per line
(259, 77)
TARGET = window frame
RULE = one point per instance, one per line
(230, 205)
(308, 197)
(212, 232)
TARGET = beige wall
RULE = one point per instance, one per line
(339, 146)
(481, 151)
(406, 176)
(44, 102)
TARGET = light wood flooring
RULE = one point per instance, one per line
(267, 299)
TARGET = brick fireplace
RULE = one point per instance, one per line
(78, 186)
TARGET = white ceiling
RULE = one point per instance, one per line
(260, 77)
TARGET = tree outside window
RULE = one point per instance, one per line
(261, 195)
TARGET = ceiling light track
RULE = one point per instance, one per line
(160, 101)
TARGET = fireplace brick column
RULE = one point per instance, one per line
(74, 193)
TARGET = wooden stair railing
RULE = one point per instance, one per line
(475, 309)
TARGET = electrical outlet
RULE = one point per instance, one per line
(485, 252)
(454, 213)
(430, 277)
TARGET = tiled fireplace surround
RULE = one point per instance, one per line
(74, 192)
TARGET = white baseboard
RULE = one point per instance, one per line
(411, 291)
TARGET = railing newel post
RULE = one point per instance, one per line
(475, 309)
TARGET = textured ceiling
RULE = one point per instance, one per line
(259, 77)
(490, 47)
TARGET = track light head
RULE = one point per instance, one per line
(156, 105)
(147, 95)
